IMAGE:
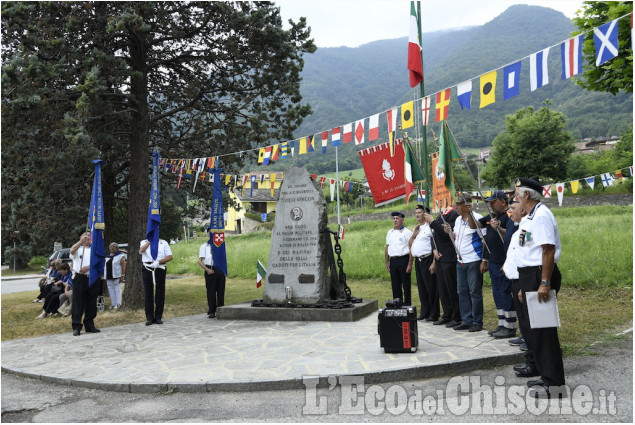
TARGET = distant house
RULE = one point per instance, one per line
(595, 145)
(259, 200)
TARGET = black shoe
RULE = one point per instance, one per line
(476, 328)
(76, 332)
(452, 323)
(527, 372)
(441, 322)
(535, 382)
(93, 330)
(430, 319)
(504, 333)
(211, 315)
(523, 347)
(461, 327)
(148, 323)
(420, 317)
(158, 322)
(539, 392)
(519, 367)
(495, 330)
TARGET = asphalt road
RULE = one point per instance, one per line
(601, 384)
(9, 286)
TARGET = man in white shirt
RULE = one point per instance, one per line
(153, 273)
(398, 259)
(421, 247)
(469, 279)
(214, 280)
(84, 295)
(536, 257)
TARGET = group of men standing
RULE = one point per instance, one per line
(519, 247)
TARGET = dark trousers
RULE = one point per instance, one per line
(400, 280)
(502, 293)
(544, 341)
(523, 325)
(84, 302)
(154, 302)
(427, 287)
(215, 285)
(446, 284)
(52, 302)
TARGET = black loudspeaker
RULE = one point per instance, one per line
(397, 328)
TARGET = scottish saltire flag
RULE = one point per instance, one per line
(538, 72)
(511, 82)
(571, 55)
(590, 181)
(97, 225)
(464, 94)
(336, 136)
(607, 179)
(154, 210)
(217, 225)
(605, 40)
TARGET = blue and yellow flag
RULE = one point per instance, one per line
(154, 210)
(96, 225)
(217, 226)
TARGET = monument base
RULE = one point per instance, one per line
(244, 311)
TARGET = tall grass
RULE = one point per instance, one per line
(597, 248)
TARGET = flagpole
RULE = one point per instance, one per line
(337, 187)
(424, 141)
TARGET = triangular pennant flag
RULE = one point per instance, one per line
(618, 174)
(590, 181)
(332, 187)
(560, 191)
(574, 186)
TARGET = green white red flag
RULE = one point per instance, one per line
(415, 66)
(260, 274)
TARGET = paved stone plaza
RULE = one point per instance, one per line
(195, 353)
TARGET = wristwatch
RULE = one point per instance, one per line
(545, 283)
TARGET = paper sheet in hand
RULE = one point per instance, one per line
(543, 314)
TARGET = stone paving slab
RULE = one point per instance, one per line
(195, 353)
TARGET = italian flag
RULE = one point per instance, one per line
(260, 274)
(413, 173)
(415, 66)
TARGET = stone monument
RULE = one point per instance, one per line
(298, 269)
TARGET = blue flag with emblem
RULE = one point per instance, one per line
(154, 210)
(96, 225)
(217, 225)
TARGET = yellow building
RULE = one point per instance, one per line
(259, 200)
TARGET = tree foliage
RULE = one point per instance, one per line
(118, 79)
(534, 144)
(616, 74)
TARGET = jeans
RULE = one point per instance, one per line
(469, 286)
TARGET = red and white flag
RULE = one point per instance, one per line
(546, 191)
(359, 132)
(415, 66)
(348, 133)
(425, 109)
(571, 54)
(560, 191)
(385, 173)
(391, 115)
(336, 134)
(332, 189)
(341, 233)
(373, 128)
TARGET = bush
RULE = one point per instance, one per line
(38, 261)
(22, 255)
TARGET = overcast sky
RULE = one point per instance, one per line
(351, 23)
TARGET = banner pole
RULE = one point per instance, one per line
(337, 187)
(424, 141)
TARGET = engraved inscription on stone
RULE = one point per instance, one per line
(297, 257)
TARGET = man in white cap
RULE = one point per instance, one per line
(398, 259)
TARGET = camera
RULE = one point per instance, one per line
(396, 303)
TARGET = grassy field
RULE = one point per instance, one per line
(596, 300)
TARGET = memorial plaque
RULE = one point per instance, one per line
(298, 258)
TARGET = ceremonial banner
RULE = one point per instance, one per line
(217, 225)
(560, 192)
(154, 210)
(96, 224)
(440, 193)
(385, 174)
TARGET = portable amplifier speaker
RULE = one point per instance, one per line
(397, 328)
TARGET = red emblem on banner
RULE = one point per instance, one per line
(219, 239)
(385, 174)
